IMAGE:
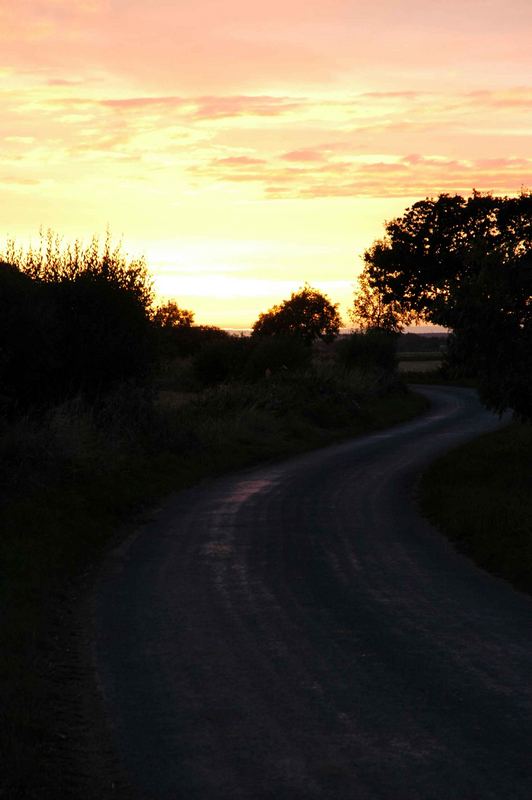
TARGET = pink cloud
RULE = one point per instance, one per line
(503, 163)
(196, 47)
(208, 46)
(414, 158)
(385, 168)
(303, 155)
(196, 108)
(409, 176)
(239, 161)
(136, 103)
(402, 95)
(62, 82)
(517, 97)
(258, 105)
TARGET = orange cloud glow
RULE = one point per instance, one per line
(263, 145)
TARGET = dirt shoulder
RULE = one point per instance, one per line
(76, 757)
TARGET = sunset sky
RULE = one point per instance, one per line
(246, 147)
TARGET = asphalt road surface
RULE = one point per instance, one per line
(297, 631)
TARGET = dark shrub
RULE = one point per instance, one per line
(183, 341)
(28, 357)
(72, 320)
(420, 343)
(270, 355)
(103, 336)
(221, 360)
(372, 349)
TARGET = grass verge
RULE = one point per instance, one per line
(70, 479)
(435, 376)
(480, 497)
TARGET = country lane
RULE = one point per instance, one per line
(298, 631)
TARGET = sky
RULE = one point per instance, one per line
(245, 148)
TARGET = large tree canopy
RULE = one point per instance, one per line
(465, 263)
(439, 248)
(307, 314)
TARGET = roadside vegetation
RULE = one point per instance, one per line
(107, 403)
(480, 497)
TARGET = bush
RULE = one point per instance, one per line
(72, 320)
(176, 375)
(270, 355)
(103, 336)
(221, 360)
(26, 338)
(369, 350)
(176, 336)
(182, 341)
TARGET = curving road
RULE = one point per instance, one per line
(297, 631)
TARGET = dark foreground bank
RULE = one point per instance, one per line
(74, 476)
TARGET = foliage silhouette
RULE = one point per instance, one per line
(175, 334)
(171, 316)
(438, 247)
(273, 354)
(104, 335)
(307, 314)
(371, 311)
(53, 262)
(221, 360)
(419, 343)
(74, 320)
(371, 349)
(465, 263)
(28, 338)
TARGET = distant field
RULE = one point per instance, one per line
(419, 362)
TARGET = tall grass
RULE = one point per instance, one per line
(480, 496)
(69, 473)
(133, 444)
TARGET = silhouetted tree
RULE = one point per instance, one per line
(307, 314)
(172, 328)
(170, 315)
(464, 263)
(431, 255)
(371, 312)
